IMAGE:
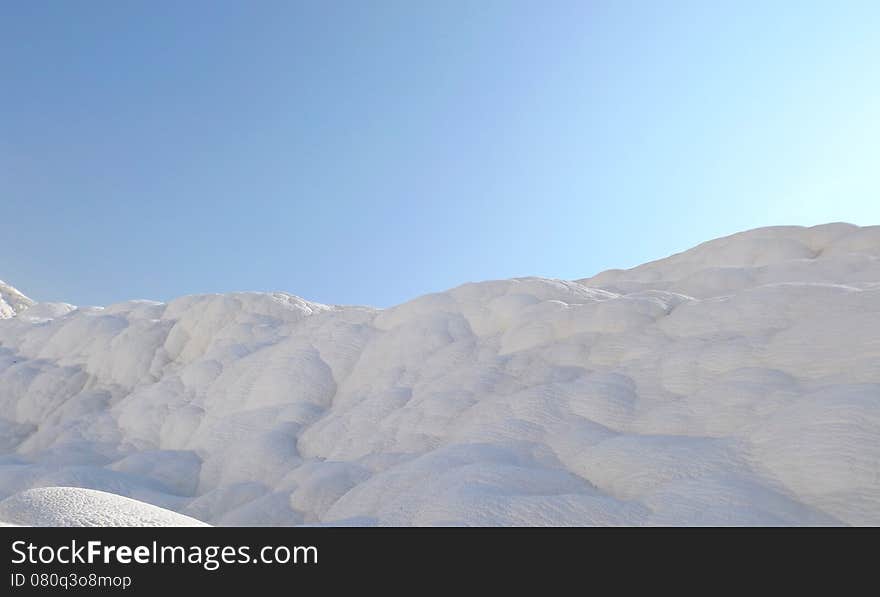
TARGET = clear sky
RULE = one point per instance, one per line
(368, 152)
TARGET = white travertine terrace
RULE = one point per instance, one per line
(735, 383)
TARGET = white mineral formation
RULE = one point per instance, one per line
(72, 506)
(735, 383)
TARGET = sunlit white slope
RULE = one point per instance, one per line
(735, 383)
(12, 301)
(72, 506)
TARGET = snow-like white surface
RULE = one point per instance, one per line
(735, 383)
(75, 507)
(12, 301)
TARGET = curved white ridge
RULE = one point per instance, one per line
(12, 301)
(75, 507)
(735, 383)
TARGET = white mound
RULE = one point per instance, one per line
(74, 507)
(735, 383)
(12, 301)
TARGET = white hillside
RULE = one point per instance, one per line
(735, 383)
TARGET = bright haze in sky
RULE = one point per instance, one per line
(369, 152)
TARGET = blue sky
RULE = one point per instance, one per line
(369, 152)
